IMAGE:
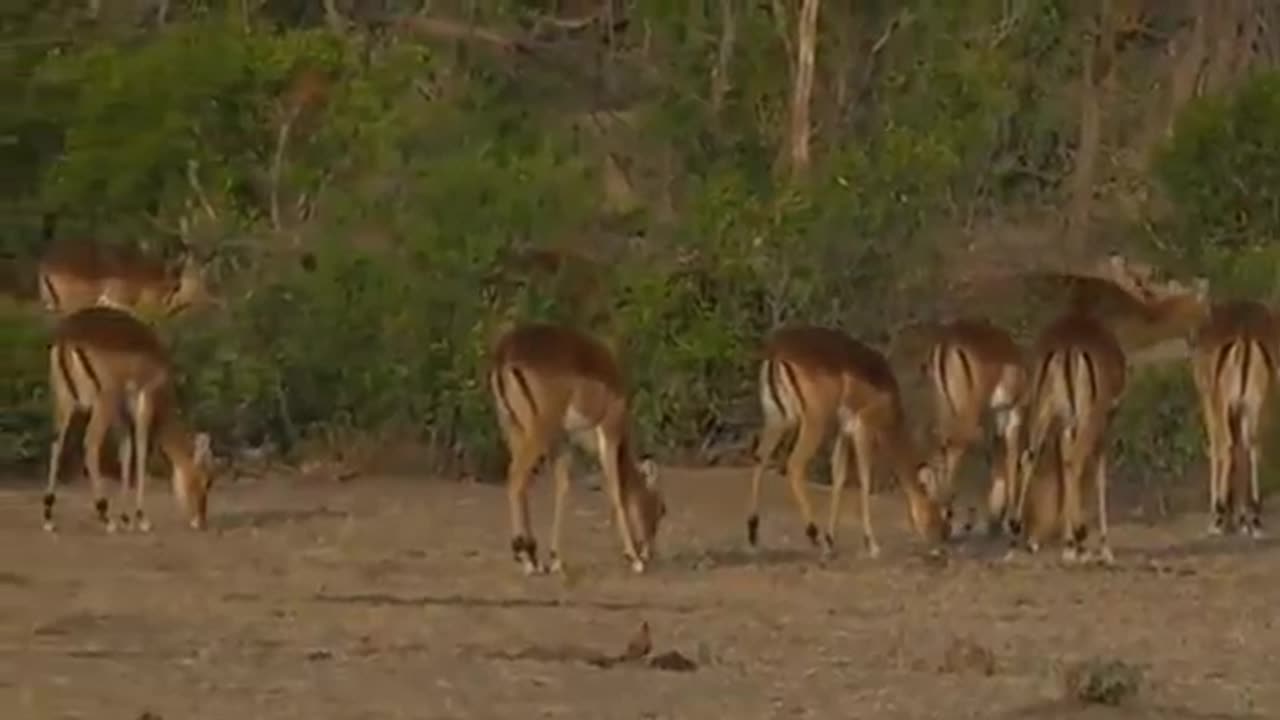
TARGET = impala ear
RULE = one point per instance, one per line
(649, 470)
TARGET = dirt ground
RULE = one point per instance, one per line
(397, 598)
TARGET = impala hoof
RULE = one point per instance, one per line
(637, 565)
(49, 527)
(144, 525)
(1106, 557)
(556, 567)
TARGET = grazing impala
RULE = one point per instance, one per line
(78, 275)
(1079, 377)
(111, 366)
(1234, 365)
(973, 367)
(549, 382)
(812, 377)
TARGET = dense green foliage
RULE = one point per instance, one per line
(358, 263)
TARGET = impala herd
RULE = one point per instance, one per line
(555, 386)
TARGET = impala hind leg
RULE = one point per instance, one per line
(94, 434)
(1250, 522)
(1000, 497)
(1219, 448)
(124, 458)
(771, 434)
(63, 418)
(807, 442)
(141, 422)
(1026, 466)
(1105, 553)
(525, 454)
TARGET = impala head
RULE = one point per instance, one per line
(928, 516)
(192, 480)
(190, 285)
(934, 479)
(645, 505)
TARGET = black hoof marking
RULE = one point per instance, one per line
(49, 499)
(811, 532)
(829, 540)
(1080, 534)
(753, 529)
(519, 545)
(100, 505)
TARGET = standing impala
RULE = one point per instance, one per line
(1234, 366)
(1079, 377)
(75, 275)
(111, 366)
(812, 378)
(974, 367)
(551, 382)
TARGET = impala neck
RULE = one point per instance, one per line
(904, 457)
(174, 437)
(631, 480)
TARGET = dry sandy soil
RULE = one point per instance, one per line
(397, 598)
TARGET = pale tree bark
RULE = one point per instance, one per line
(802, 89)
(333, 17)
(720, 82)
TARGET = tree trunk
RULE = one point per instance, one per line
(802, 88)
(1094, 78)
(724, 56)
(333, 17)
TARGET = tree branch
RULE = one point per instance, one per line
(277, 162)
(453, 30)
(193, 179)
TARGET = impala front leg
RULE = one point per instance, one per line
(613, 481)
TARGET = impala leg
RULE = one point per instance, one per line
(839, 476)
(124, 457)
(1100, 486)
(143, 423)
(613, 481)
(94, 433)
(1071, 526)
(863, 447)
(1000, 499)
(1251, 520)
(1030, 456)
(561, 468)
(62, 421)
(1218, 470)
(797, 466)
(524, 548)
(770, 436)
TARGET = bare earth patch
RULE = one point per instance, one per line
(397, 598)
